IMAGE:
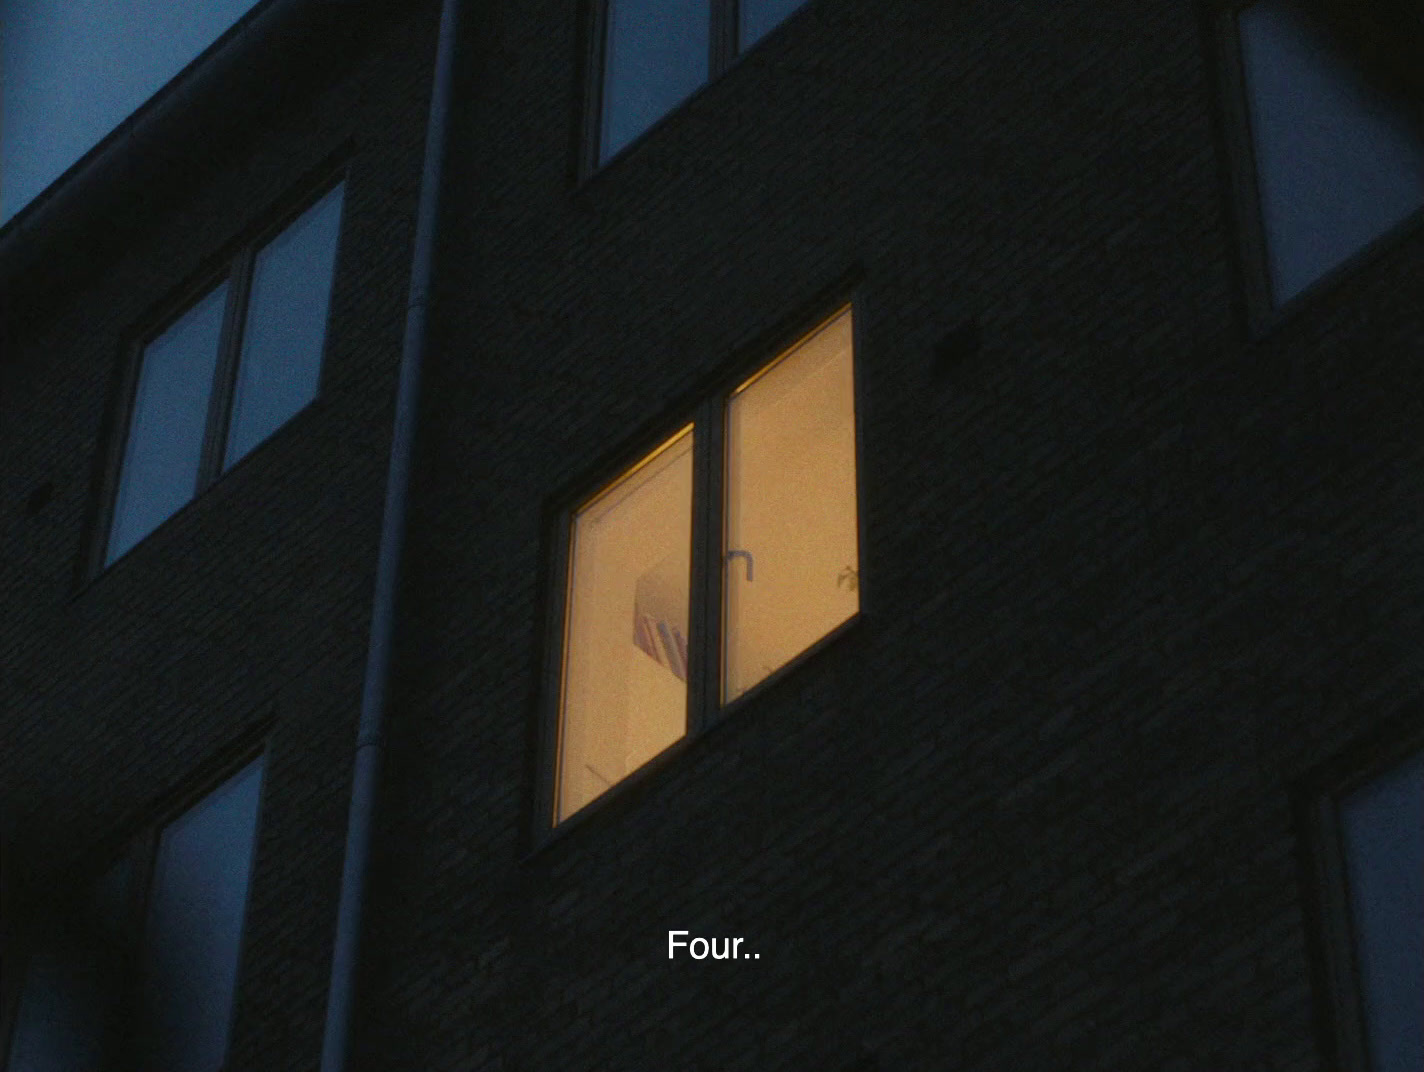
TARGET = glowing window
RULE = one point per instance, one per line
(791, 544)
(644, 661)
(625, 663)
(233, 368)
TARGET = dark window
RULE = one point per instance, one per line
(1337, 164)
(656, 54)
(78, 1003)
(215, 382)
(652, 55)
(1382, 842)
(197, 899)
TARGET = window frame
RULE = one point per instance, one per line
(706, 413)
(722, 54)
(1336, 962)
(1263, 315)
(138, 849)
(233, 267)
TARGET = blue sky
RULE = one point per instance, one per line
(72, 70)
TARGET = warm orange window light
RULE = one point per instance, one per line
(791, 565)
(624, 689)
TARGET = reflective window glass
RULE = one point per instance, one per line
(280, 364)
(1337, 163)
(1383, 828)
(655, 55)
(168, 423)
(196, 906)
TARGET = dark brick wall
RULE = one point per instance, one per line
(1128, 575)
(250, 607)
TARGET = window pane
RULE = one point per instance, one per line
(286, 326)
(791, 565)
(655, 56)
(69, 985)
(72, 70)
(625, 650)
(196, 907)
(169, 419)
(1384, 856)
(1337, 163)
(760, 17)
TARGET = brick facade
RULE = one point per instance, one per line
(1130, 574)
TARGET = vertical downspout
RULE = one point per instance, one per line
(366, 772)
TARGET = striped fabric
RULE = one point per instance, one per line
(660, 640)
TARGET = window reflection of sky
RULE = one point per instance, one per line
(1383, 824)
(1337, 164)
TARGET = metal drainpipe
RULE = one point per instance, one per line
(366, 771)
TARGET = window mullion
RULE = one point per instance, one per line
(706, 603)
(595, 90)
(723, 36)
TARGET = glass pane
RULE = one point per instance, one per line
(625, 648)
(1337, 163)
(655, 55)
(286, 326)
(196, 907)
(760, 17)
(1383, 826)
(168, 422)
(792, 566)
(69, 986)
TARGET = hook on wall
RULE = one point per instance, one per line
(742, 554)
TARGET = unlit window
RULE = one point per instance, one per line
(1382, 826)
(227, 373)
(168, 422)
(655, 53)
(196, 907)
(1337, 163)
